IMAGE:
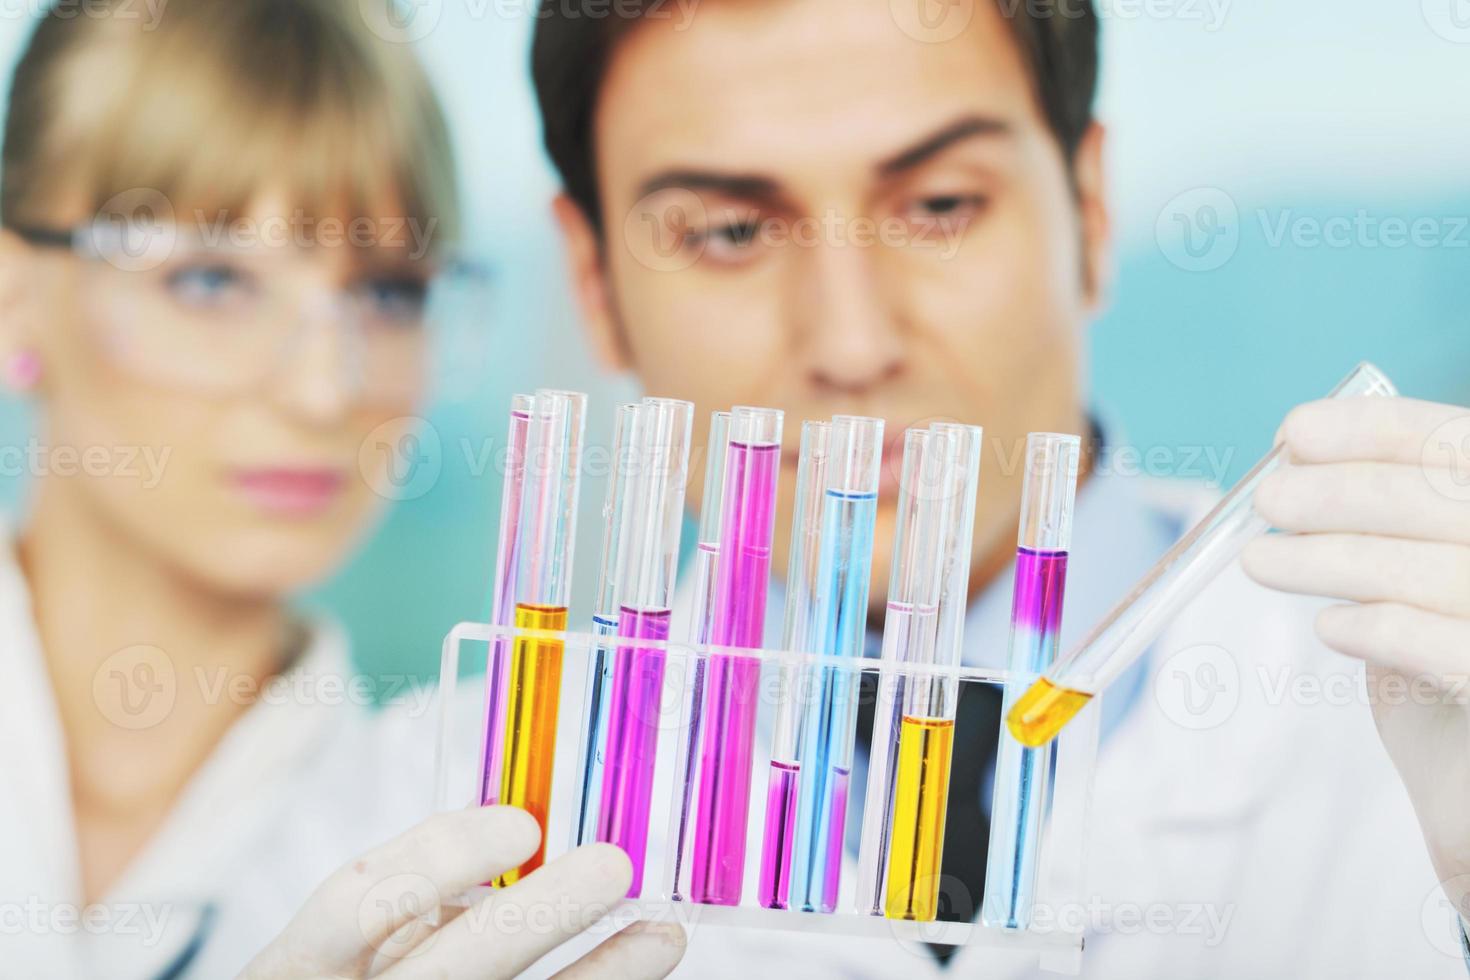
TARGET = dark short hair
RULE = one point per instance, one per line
(572, 48)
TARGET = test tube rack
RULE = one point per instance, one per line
(1055, 936)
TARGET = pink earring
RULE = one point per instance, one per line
(23, 370)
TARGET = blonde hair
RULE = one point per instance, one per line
(216, 101)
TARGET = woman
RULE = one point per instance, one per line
(219, 232)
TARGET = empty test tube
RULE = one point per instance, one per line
(706, 560)
(502, 599)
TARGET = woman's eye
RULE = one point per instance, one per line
(209, 284)
(400, 300)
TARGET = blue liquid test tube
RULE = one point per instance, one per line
(844, 573)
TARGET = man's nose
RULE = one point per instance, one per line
(850, 327)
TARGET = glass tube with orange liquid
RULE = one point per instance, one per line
(926, 731)
(913, 723)
(1127, 631)
(548, 524)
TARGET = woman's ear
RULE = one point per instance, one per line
(20, 361)
(588, 276)
(1089, 173)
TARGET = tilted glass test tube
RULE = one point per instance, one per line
(802, 567)
(502, 599)
(737, 619)
(908, 768)
(1018, 799)
(706, 560)
(604, 624)
(1126, 632)
(651, 517)
(547, 532)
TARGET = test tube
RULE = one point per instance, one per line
(926, 729)
(649, 524)
(1048, 494)
(604, 624)
(547, 532)
(927, 592)
(706, 560)
(1126, 632)
(910, 621)
(502, 599)
(849, 509)
(737, 620)
(802, 569)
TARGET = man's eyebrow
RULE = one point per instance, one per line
(962, 129)
(753, 187)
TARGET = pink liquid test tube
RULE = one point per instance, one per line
(731, 685)
(646, 539)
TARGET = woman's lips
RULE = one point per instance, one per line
(291, 491)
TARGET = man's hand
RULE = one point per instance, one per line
(368, 918)
(1377, 503)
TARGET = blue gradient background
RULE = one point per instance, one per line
(1310, 109)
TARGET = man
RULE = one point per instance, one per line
(839, 206)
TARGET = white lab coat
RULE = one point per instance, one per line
(1277, 843)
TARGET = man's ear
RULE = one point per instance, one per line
(588, 278)
(1090, 174)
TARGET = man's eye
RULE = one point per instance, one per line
(209, 284)
(946, 206)
(738, 234)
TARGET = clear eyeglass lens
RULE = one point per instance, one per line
(226, 318)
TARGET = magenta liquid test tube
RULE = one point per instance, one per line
(731, 689)
(650, 517)
(1018, 799)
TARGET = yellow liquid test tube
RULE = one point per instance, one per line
(530, 723)
(920, 799)
(1042, 711)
